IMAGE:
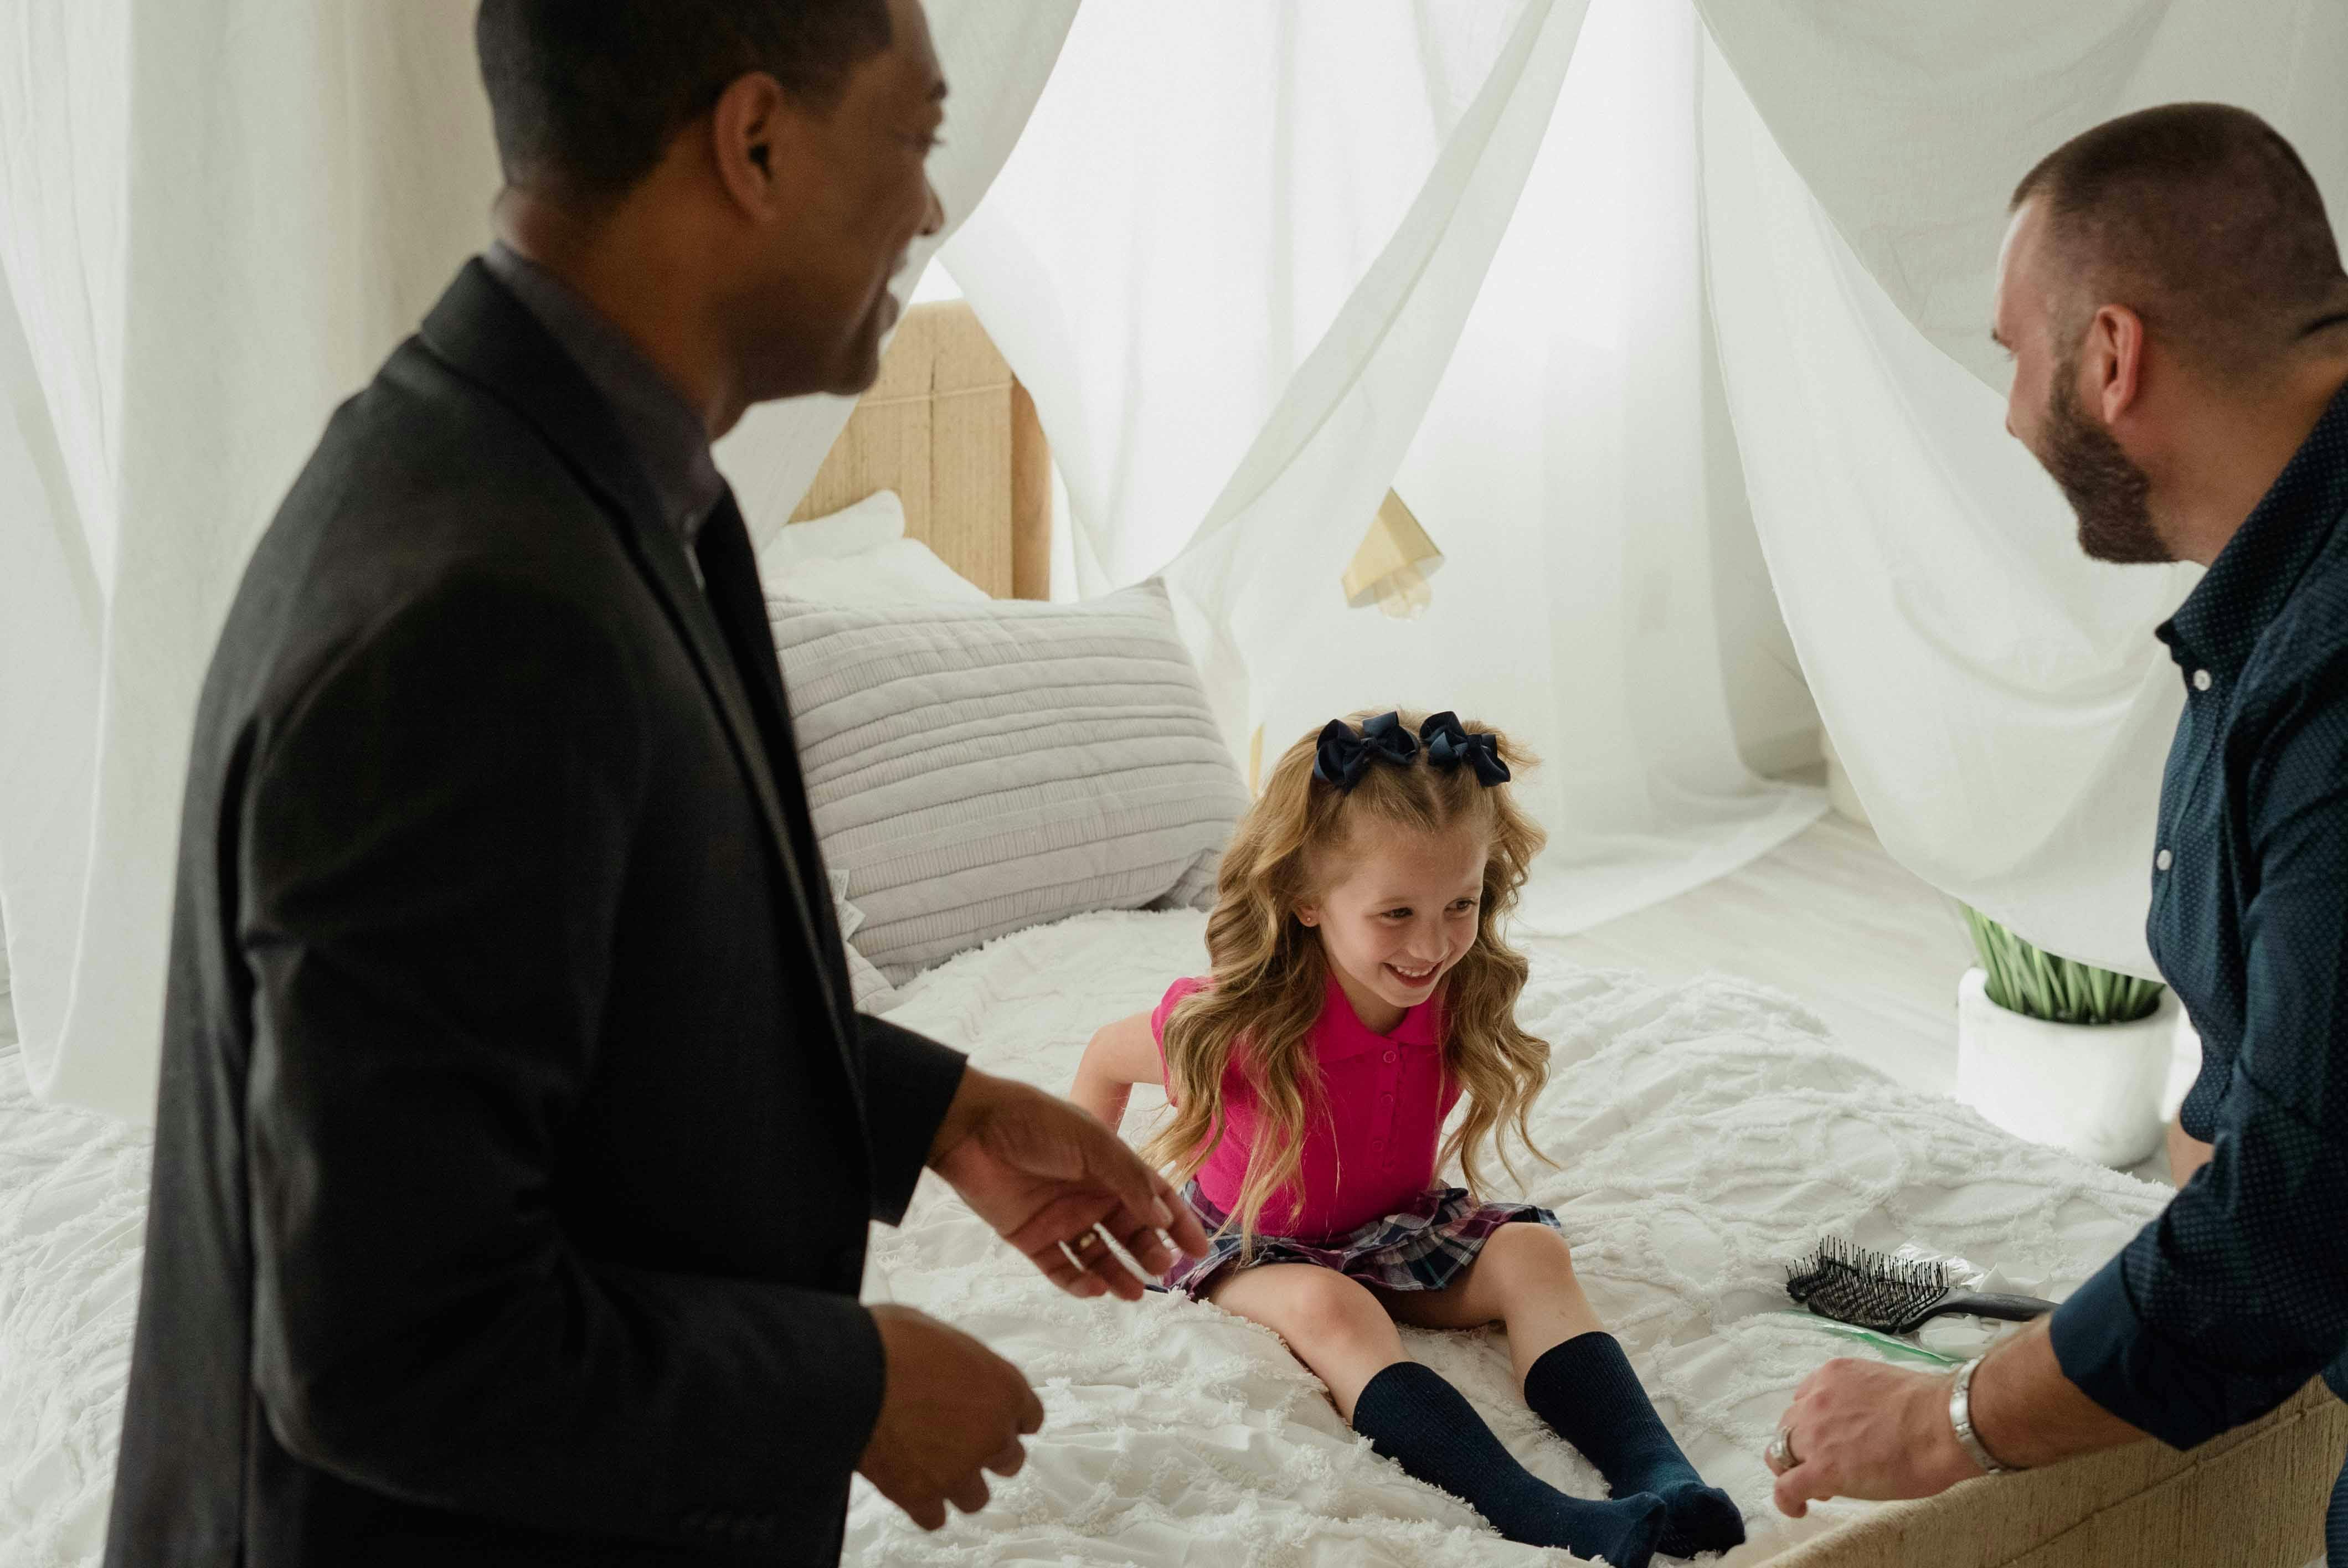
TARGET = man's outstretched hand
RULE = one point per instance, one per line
(951, 1410)
(1048, 1178)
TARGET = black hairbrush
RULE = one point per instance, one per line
(1893, 1294)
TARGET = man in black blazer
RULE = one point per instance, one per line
(516, 1140)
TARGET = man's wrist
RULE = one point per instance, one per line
(963, 1113)
(1962, 1425)
(1936, 1439)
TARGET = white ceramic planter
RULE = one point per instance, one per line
(2093, 1088)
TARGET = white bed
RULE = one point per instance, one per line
(1708, 1134)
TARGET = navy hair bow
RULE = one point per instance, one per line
(1449, 744)
(1341, 756)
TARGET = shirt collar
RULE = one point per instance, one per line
(1343, 1033)
(2223, 617)
(668, 439)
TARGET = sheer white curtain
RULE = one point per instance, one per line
(1491, 299)
(1576, 466)
(1998, 699)
(1200, 188)
(218, 216)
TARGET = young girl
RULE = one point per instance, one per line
(1360, 989)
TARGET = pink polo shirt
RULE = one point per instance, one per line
(1386, 1096)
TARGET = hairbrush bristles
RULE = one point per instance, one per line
(1852, 1285)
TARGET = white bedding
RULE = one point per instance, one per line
(1707, 1135)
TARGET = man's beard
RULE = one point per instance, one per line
(2103, 485)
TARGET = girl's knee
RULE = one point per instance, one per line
(1317, 1311)
(1528, 1246)
(1326, 1305)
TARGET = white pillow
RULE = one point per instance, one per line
(902, 571)
(868, 525)
(974, 769)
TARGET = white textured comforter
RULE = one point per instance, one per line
(1706, 1136)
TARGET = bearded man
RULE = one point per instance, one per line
(2171, 295)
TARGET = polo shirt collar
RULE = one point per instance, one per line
(1344, 1034)
(2248, 585)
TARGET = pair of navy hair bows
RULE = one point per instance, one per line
(1341, 756)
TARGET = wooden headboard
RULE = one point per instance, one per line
(951, 430)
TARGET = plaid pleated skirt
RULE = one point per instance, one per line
(1424, 1248)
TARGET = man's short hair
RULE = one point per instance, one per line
(2201, 219)
(586, 95)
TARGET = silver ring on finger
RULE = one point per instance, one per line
(1781, 1449)
(1082, 1246)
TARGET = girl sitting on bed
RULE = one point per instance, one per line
(1361, 989)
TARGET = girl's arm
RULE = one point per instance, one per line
(1121, 1055)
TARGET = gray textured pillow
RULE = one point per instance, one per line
(978, 768)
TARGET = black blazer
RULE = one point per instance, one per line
(516, 1143)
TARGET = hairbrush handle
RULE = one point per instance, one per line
(2013, 1308)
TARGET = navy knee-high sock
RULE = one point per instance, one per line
(1423, 1424)
(2335, 1523)
(1586, 1389)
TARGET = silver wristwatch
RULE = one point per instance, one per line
(1960, 1416)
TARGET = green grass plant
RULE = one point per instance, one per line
(2036, 984)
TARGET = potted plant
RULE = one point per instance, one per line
(2062, 1053)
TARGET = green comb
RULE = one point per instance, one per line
(1883, 1342)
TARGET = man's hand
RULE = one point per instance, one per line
(950, 1410)
(1049, 1178)
(1860, 1428)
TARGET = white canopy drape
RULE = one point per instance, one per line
(1504, 321)
(218, 216)
(1998, 699)
(1257, 264)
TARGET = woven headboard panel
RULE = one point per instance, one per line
(951, 430)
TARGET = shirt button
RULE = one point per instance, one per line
(2200, 680)
(1389, 1056)
(2163, 861)
(1388, 1097)
(1377, 1143)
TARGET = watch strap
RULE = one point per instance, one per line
(1961, 1417)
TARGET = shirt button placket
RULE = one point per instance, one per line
(1386, 1108)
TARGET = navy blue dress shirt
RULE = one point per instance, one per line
(2226, 1305)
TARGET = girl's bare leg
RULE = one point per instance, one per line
(1333, 1324)
(1523, 1278)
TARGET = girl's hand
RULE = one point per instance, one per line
(1047, 1177)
